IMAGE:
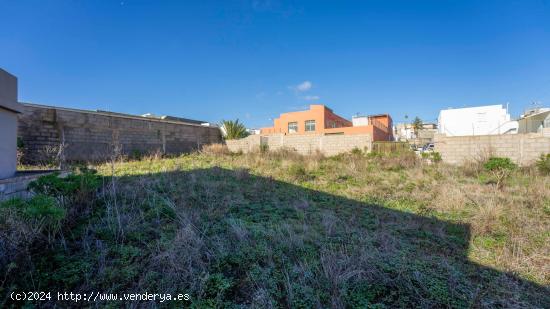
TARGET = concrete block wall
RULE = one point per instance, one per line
(304, 144)
(335, 144)
(250, 143)
(94, 136)
(524, 149)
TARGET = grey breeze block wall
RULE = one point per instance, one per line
(304, 144)
(94, 136)
(523, 149)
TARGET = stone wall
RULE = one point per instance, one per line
(96, 136)
(523, 149)
(17, 186)
(304, 144)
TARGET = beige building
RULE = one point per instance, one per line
(9, 108)
(405, 133)
(535, 121)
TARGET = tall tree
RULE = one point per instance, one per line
(417, 125)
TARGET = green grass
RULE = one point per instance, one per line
(281, 230)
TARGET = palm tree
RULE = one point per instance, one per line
(233, 129)
(417, 125)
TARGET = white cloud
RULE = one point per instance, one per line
(311, 98)
(304, 86)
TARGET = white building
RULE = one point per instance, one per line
(9, 108)
(405, 132)
(253, 131)
(480, 120)
(359, 121)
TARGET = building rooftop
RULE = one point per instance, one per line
(535, 112)
(102, 112)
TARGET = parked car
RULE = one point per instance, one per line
(428, 147)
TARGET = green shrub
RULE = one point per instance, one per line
(40, 212)
(76, 187)
(264, 148)
(44, 207)
(500, 168)
(298, 172)
(432, 156)
(356, 151)
(543, 164)
(498, 163)
(374, 155)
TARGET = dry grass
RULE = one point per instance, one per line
(511, 223)
(277, 229)
(215, 149)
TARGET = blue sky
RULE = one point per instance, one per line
(253, 60)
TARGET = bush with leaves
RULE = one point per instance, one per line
(233, 129)
(264, 148)
(356, 151)
(500, 168)
(76, 187)
(436, 157)
(432, 156)
(41, 212)
(24, 223)
(543, 164)
(37, 224)
(298, 172)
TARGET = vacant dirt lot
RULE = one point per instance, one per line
(282, 230)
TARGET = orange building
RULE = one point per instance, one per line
(320, 119)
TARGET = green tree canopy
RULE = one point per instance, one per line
(233, 129)
(417, 125)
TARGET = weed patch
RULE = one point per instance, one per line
(277, 229)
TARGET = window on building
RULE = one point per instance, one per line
(310, 125)
(292, 127)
